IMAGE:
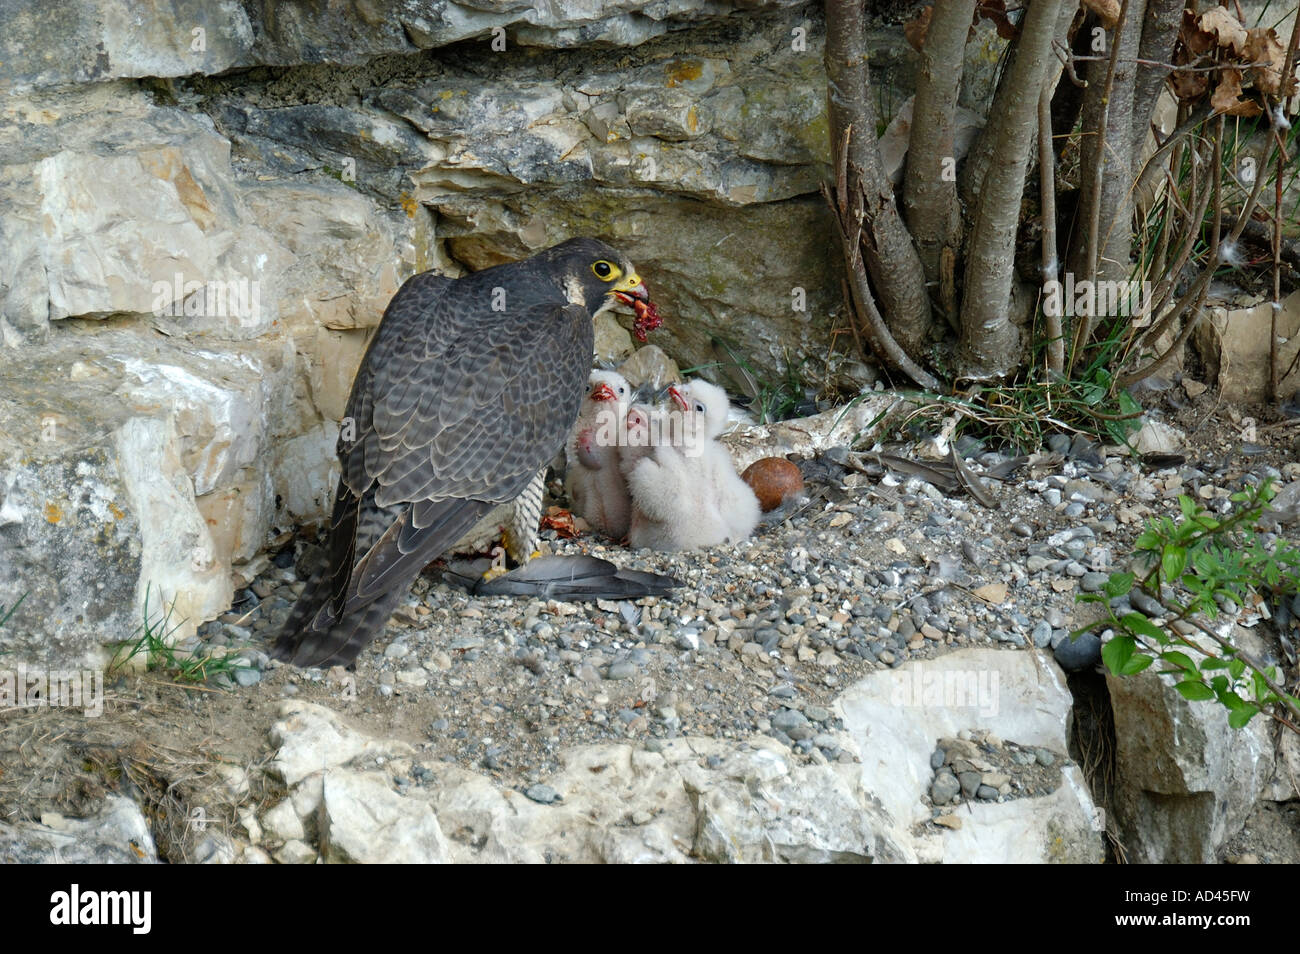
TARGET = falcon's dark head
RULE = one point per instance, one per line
(597, 276)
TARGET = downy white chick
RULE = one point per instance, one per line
(733, 497)
(592, 476)
(685, 490)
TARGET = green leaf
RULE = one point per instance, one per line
(1181, 660)
(1187, 505)
(1173, 561)
(1117, 653)
(1214, 662)
(1238, 718)
(1236, 667)
(1195, 691)
(1136, 664)
(1137, 623)
(1118, 585)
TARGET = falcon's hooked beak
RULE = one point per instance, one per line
(630, 289)
(676, 395)
(602, 392)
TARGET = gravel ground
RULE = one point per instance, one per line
(873, 571)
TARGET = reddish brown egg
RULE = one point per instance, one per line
(772, 479)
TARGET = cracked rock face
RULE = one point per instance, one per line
(117, 835)
(697, 799)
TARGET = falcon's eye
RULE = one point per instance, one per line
(605, 271)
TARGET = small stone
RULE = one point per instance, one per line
(1045, 757)
(542, 794)
(1093, 582)
(787, 719)
(296, 853)
(621, 670)
(1075, 654)
(945, 788)
(986, 793)
(949, 821)
(970, 783)
(413, 677)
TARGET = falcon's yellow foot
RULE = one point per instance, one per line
(498, 567)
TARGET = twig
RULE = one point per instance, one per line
(1047, 200)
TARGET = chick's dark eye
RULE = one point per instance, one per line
(622, 390)
(700, 408)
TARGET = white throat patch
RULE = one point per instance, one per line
(573, 291)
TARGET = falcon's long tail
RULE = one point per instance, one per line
(347, 603)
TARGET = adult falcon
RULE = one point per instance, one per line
(466, 392)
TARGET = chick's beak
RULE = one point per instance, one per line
(602, 392)
(676, 395)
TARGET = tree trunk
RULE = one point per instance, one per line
(930, 188)
(1103, 232)
(1159, 34)
(990, 343)
(887, 250)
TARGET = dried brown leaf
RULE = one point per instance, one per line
(1196, 42)
(996, 12)
(1263, 47)
(1188, 86)
(1227, 96)
(1225, 27)
(916, 28)
(1107, 11)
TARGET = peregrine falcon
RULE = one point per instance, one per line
(467, 390)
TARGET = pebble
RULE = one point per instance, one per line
(944, 788)
(621, 670)
(787, 719)
(1093, 582)
(1075, 654)
(542, 794)
(970, 783)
